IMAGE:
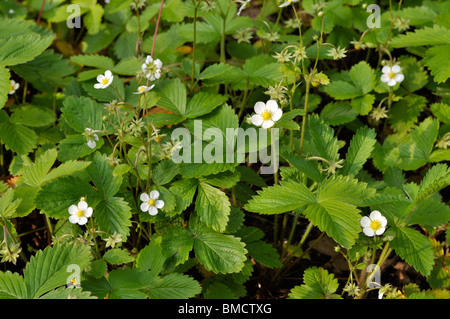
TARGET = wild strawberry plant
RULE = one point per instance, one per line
(208, 149)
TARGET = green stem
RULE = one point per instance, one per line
(95, 239)
(194, 44)
(305, 108)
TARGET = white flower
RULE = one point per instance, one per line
(288, 2)
(151, 203)
(104, 80)
(13, 86)
(392, 75)
(90, 137)
(143, 89)
(374, 224)
(79, 213)
(152, 68)
(266, 114)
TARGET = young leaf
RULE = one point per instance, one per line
(414, 248)
(220, 253)
(359, 151)
(318, 284)
(48, 269)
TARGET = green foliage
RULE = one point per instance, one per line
(156, 192)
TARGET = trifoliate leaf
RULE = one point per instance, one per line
(318, 284)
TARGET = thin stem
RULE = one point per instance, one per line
(194, 44)
(305, 108)
(95, 239)
(40, 12)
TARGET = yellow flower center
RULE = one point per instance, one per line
(80, 213)
(151, 202)
(11, 88)
(267, 115)
(142, 89)
(375, 224)
(391, 75)
(105, 81)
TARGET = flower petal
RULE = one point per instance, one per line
(368, 231)
(83, 220)
(396, 68)
(154, 195)
(383, 221)
(74, 219)
(375, 215)
(158, 63)
(144, 207)
(277, 115)
(386, 69)
(88, 212)
(259, 107)
(257, 120)
(268, 124)
(91, 143)
(380, 231)
(73, 209)
(159, 204)
(144, 197)
(153, 210)
(384, 78)
(399, 77)
(82, 205)
(108, 74)
(98, 86)
(365, 221)
(392, 82)
(100, 77)
(272, 106)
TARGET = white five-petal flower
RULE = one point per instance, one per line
(152, 68)
(266, 114)
(79, 213)
(104, 80)
(90, 137)
(143, 89)
(391, 75)
(374, 224)
(13, 86)
(151, 203)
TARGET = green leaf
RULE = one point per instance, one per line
(174, 286)
(20, 42)
(212, 206)
(8, 204)
(16, 137)
(34, 175)
(220, 253)
(441, 111)
(414, 248)
(363, 104)
(342, 90)
(27, 115)
(118, 256)
(431, 212)
(49, 268)
(318, 284)
(307, 167)
(56, 196)
(101, 173)
(172, 95)
(405, 113)
(436, 179)
(151, 256)
(324, 143)
(359, 151)
(4, 85)
(74, 147)
(203, 103)
(363, 77)
(262, 70)
(337, 113)
(12, 286)
(415, 152)
(176, 244)
(113, 215)
(433, 60)
(81, 113)
(93, 60)
(282, 198)
(423, 36)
